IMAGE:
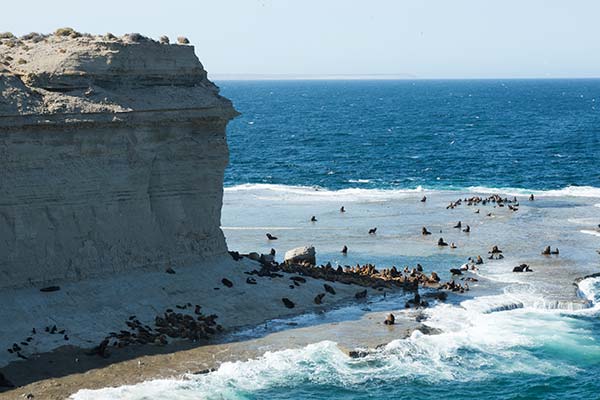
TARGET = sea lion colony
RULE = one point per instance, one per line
(194, 325)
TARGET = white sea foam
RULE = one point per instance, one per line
(569, 191)
(307, 193)
(475, 344)
(271, 191)
(589, 232)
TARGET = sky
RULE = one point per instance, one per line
(417, 38)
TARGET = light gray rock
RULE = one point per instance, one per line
(299, 254)
(112, 156)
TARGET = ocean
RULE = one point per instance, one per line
(303, 148)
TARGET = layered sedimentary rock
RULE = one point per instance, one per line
(112, 153)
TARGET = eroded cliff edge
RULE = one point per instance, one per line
(112, 152)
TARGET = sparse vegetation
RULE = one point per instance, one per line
(6, 35)
(21, 61)
(110, 36)
(31, 36)
(183, 40)
(164, 39)
(136, 37)
(70, 32)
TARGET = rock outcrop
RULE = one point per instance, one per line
(112, 153)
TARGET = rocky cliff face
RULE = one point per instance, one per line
(112, 152)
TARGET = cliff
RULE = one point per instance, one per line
(112, 153)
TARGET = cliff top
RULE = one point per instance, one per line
(72, 73)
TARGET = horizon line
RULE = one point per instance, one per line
(381, 76)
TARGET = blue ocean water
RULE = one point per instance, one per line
(534, 134)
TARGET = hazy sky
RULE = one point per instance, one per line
(422, 38)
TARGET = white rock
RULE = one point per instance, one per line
(299, 254)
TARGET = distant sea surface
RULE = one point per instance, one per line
(446, 134)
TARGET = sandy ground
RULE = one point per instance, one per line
(131, 365)
(88, 311)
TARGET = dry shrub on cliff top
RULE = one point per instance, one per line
(67, 32)
(136, 37)
(34, 37)
(164, 39)
(6, 35)
(183, 40)
(110, 36)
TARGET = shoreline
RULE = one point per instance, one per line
(136, 364)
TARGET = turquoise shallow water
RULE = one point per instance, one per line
(374, 147)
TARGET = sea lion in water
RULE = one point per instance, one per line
(458, 225)
(495, 250)
(390, 320)
(423, 200)
(555, 251)
(313, 219)
(467, 229)
(441, 242)
(342, 209)
(345, 250)
(522, 268)
(271, 237)
(452, 245)
(479, 260)
(272, 252)
(372, 231)
(424, 231)
(531, 197)
(546, 251)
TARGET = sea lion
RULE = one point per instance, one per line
(531, 197)
(271, 237)
(467, 229)
(329, 289)
(452, 245)
(170, 271)
(372, 231)
(441, 242)
(50, 289)
(522, 268)
(313, 219)
(458, 225)
(423, 200)
(251, 281)
(455, 271)
(495, 250)
(345, 250)
(479, 260)
(227, 282)
(390, 320)
(477, 211)
(272, 252)
(424, 231)
(342, 209)
(546, 251)
(555, 251)
(287, 302)
(319, 298)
